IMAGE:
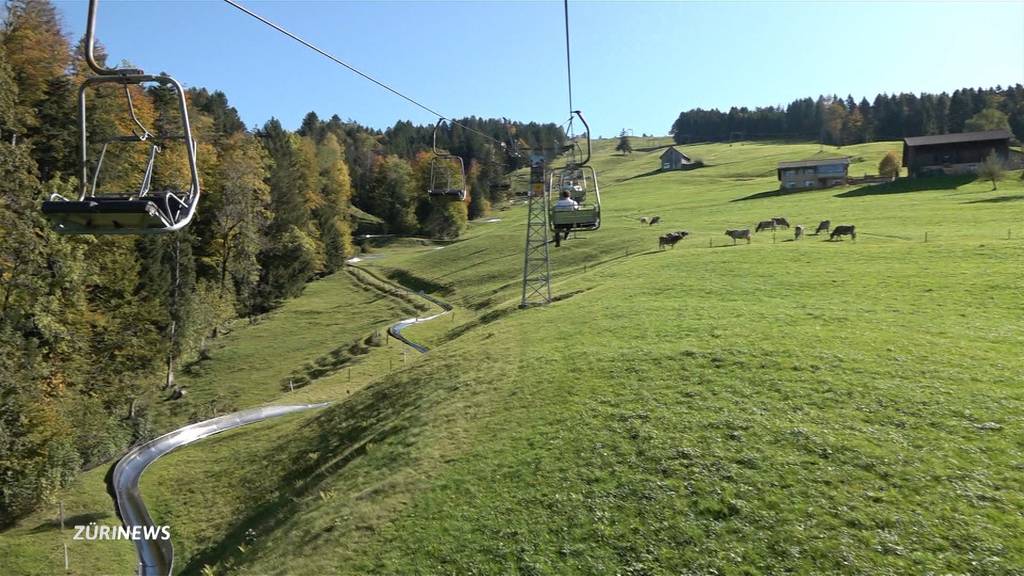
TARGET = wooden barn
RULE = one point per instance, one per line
(673, 159)
(953, 153)
(813, 173)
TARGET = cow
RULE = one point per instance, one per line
(671, 239)
(643, 220)
(824, 225)
(765, 225)
(655, 220)
(781, 222)
(739, 235)
(840, 231)
(798, 232)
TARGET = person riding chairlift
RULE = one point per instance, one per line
(564, 203)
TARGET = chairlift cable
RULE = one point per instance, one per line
(355, 70)
(568, 61)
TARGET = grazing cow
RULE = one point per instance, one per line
(655, 220)
(765, 225)
(781, 222)
(824, 225)
(798, 232)
(739, 235)
(643, 220)
(840, 231)
(671, 239)
(668, 240)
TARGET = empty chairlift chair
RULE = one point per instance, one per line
(141, 211)
(447, 174)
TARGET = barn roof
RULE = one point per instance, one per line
(957, 138)
(809, 163)
(671, 149)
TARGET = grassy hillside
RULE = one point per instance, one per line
(202, 490)
(791, 406)
(811, 406)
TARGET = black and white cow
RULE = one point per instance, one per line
(739, 235)
(840, 231)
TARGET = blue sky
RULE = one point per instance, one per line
(635, 64)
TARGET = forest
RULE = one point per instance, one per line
(93, 329)
(838, 121)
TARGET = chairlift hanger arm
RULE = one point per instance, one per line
(90, 47)
(434, 141)
(587, 126)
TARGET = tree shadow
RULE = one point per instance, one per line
(907, 185)
(70, 522)
(340, 435)
(996, 200)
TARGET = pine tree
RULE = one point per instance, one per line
(624, 146)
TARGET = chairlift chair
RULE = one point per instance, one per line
(580, 180)
(442, 183)
(142, 211)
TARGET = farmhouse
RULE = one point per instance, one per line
(953, 153)
(813, 173)
(673, 159)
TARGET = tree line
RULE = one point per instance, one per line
(93, 330)
(838, 121)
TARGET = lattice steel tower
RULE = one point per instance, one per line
(536, 264)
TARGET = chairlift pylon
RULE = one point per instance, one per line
(442, 184)
(144, 211)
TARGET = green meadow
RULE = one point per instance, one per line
(782, 406)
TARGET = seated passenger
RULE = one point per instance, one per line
(566, 202)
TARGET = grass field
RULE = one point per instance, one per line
(200, 491)
(808, 407)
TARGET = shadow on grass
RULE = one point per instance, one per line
(657, 171)
(996, 200)
(774, 193)
(70, 522)
(384, 416)
(907, 185)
